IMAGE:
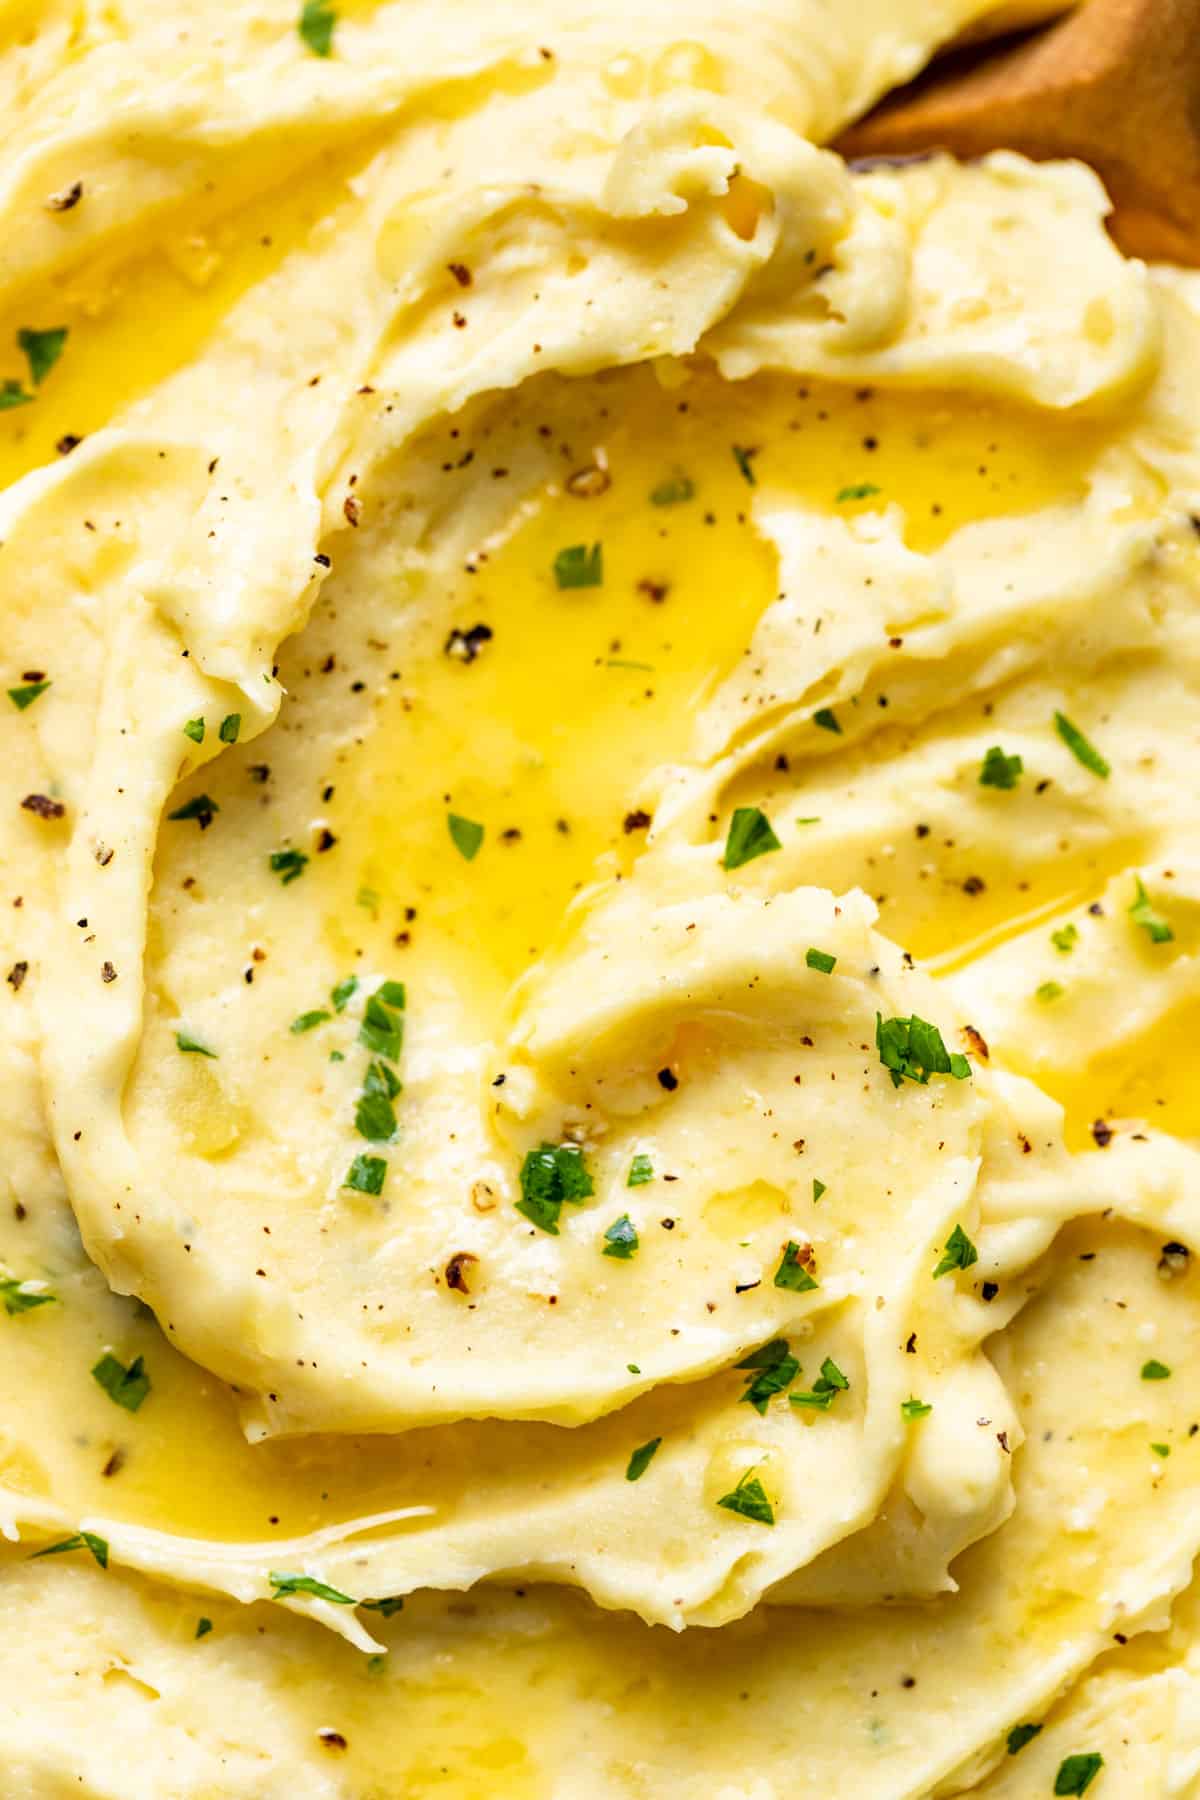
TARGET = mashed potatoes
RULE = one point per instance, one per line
(601, 920)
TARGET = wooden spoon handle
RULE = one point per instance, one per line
(1115, 83)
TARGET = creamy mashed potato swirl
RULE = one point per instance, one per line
(600, 920)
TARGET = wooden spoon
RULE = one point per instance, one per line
(1115, 83)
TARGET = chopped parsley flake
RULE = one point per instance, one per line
(915, 1409)
(825, 1389)
(389, 1605)
(1155, 1371)
(1000, 771)
(191, 1047)
(467, 835)
(1161, 1449)
(551, 1175)
(750, 835)
(201, 807)
(861, 490)
(126, 1387)
(741, 456)
(308, 1021)
(316, 25)
(826, 718)
(959, 1253)
(673, 492)
(41, 350)
(1049, 990)
(231, 726)
(819, 1188)
(80, 1540)
(194, 729)
(1065, 939)
(289, 865)
(1079, 746)
(343, 992)
(374, 1115)
(1077, 1773)
(641, 1170)
(366, 1174)
(1020, 1735)
(621, 1238)
(13, 394)
(382, 1028)
(749, 1499)
(203, 1627)
(912, 1049)
(282, 1584)
(23, 697)
(772, 1369)
(792, 1272)
(579, 566)
(820, 960)
(23, 1296)
(641, 1459)
(1152, 923)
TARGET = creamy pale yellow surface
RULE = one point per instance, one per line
(543, 609)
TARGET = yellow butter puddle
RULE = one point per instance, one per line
(547, 737)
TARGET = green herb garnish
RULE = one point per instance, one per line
(23, 1296)
(741, 456)
(41, 350)
(283, 1583)
(792, 1273)
(316, 25)
(366, 1174)
(749, 1499)
(388, 1605)
(550, 1176)
(912, 1049)
(344, 991)
(1079, 746)
(1065, 938)
(13, 394)
(826, 718)
(768, 1378)
(641, 1459)
(1155, 1370)
(1077, 1773)
(621, 1238)
(382, 1028)
(915, 1409)
(1152, 923)
(1000, 771)
(289, 865)
(819, 1188)
(79, 1540)
(374, 1114)
(1020, 1735)
(192, 1047)
(750, 835)
(203, 1627)
(673, 492)
(959, 1253)
(862, 490)
(308, 1021)
(126, 1387)
(821, 961)
(202, 808)
(1049, 990)
(466, 834)
(579, 566)
(22, 697)
(231, 726)
(641, 1170)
